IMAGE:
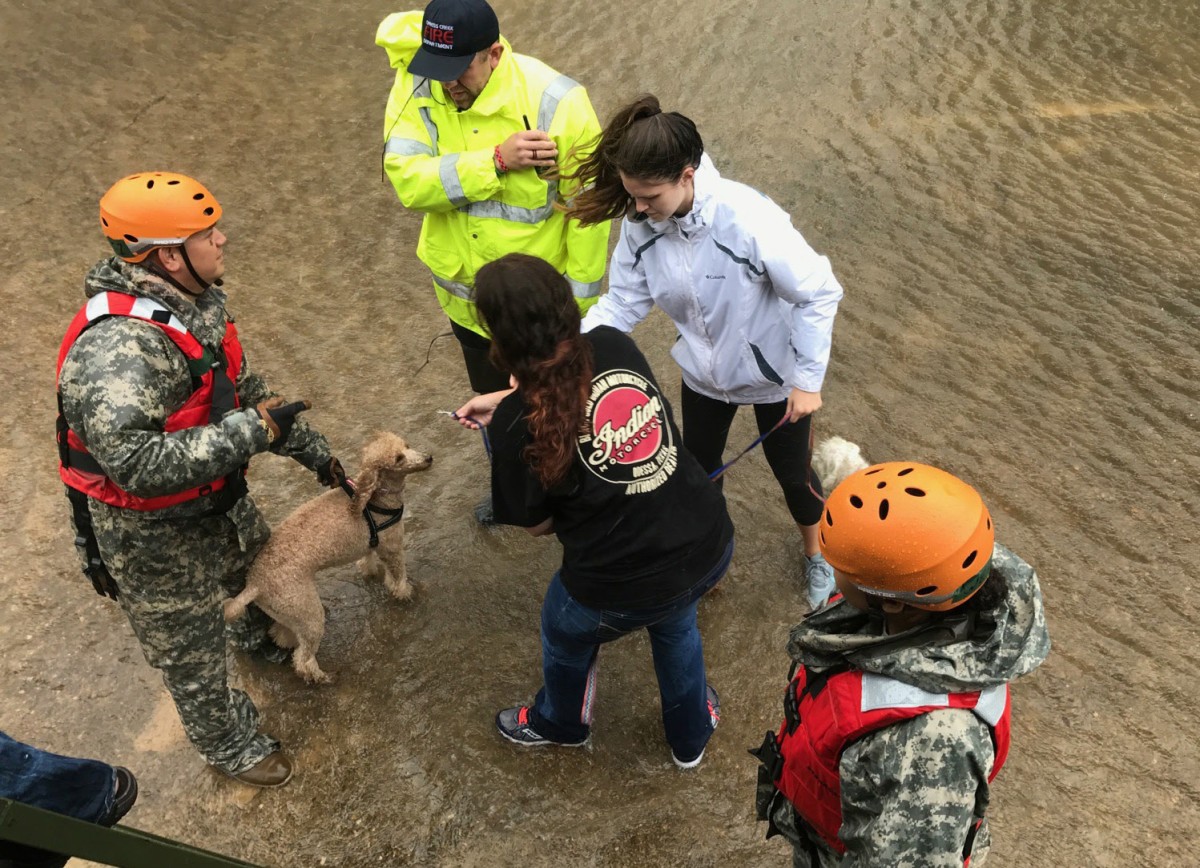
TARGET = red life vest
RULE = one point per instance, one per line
(215, 394)
(827, 712)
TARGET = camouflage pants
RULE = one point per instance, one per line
(173, 575)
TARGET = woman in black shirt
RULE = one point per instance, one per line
(585, 446)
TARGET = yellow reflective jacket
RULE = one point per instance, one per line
(440, 162)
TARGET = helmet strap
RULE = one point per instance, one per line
(188, 262)
(152, 263)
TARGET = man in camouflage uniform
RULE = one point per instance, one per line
(170, 518)
(898, 717)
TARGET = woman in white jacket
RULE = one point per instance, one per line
(754, 304)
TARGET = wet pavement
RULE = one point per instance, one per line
(1008, 193)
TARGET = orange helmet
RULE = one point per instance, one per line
(155, 209)
(909, 532)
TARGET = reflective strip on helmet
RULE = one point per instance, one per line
(407, 147)
(144, 244)
(448, 171)
(584, 290)
(879, 691)
(905, 596)
(454, 287)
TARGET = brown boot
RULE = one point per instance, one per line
(274, 770)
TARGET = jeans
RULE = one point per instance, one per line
(572, 634)
(79, 788)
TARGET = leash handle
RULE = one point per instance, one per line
(487, 442)
(720, 471)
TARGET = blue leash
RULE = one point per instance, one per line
(487, 443)
(715, 475)
(720, 471)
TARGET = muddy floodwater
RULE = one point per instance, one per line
(1007, 191)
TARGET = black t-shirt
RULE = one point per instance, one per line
(639, 521)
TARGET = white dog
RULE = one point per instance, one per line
(834, 459)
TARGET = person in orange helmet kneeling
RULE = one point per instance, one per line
(896, 719)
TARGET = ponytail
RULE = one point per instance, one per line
(645, 143)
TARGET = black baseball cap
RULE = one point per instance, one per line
(452, 32)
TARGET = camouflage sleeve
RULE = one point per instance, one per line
(305, 444)
(910, 792)
(119, 383)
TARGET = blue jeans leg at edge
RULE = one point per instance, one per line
(79, 788)
(571, 638)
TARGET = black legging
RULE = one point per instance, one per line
(706, 424)
(484, 376)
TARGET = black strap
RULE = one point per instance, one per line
(224, 392)
(89, 549)
(969, 846)
(769, 754)
(60, 433)
(81, 461)
(814, 683)
(394, 515)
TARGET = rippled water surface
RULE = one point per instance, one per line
(1006, 189)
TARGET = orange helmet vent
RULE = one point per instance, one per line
(155, 209)
(909, 532)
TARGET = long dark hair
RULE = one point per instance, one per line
(534, 320)
(642, 141)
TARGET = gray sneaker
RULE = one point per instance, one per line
(819, 575)
(484, 514)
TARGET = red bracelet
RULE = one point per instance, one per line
(501, 166)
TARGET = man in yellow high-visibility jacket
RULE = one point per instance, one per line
(476, 136)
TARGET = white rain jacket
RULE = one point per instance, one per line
(754, 304)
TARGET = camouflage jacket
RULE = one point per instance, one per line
(123, 377)
(910, 791)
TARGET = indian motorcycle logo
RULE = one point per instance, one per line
(630, 442)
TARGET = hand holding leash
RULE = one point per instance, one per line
(332, 475)
(801, 404)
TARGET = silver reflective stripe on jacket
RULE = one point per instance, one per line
(454, 287)
(412, 147)
(584, 290)
(407, 147)
(579, 289)
(448, 171)
(551, 97)
(489, 208)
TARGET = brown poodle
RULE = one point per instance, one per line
(332, 530)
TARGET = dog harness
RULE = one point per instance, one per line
(826, 712)
(370, 511)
